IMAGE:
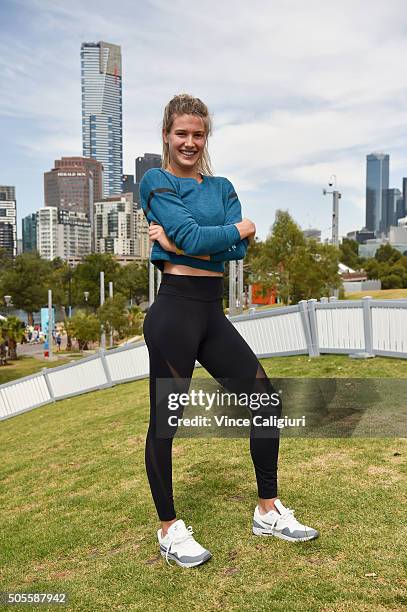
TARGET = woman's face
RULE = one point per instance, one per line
(186, 141)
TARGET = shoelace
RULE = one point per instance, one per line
(288, 514)
(186, 535)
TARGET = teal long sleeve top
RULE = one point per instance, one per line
(198, 217)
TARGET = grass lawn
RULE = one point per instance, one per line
(77, 515)
(382, 294)
(29, 365)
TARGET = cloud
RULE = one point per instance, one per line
(298, 90)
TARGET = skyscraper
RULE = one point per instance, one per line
(115, 225)
(394, 209)
(8, 229)
(377, 185)
(74, 184)
(144, 163)
(128, 185)
(8, 219)
(101, 77)
(47, 232)
(62, 233)
(29, 224)
(7, 192)
(403, 208)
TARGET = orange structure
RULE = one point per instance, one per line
(268, 298)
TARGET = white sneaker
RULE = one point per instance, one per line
(282, 524)
(179, 545)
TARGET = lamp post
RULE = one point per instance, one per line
(86, 296)
(48, 341)
(7, 300)
(102, 301)
(111, 297)
(336, 196)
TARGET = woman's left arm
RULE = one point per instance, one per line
(233, 214)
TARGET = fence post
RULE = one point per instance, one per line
(313, 326)
(105, 367)
(367, 324)
(48, 383)
(306, 327)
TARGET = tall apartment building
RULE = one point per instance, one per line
(121, 227)
(101, 80)
(377, 185)
(62, 233)
(8, 227)
(7, 192)
(142, 164)
(74, 184)
(29, 226)
(47, 232)
(114, 225)
(128, 185)
(8, 219)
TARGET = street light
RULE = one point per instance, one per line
(86, 296)
(336, 196)
(7, 300)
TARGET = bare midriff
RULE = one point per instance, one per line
(171, 268)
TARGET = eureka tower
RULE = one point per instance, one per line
(101, 78)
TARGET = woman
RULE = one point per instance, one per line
(195, 226)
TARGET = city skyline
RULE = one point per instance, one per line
(301, 103)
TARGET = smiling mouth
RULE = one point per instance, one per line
(188, 153)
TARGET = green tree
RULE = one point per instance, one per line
(272, 264)
(86, 277)
(116, 319)
(6, 260)
(11, 330)
(27, 281)
(391, 281)
(136, 318)
(386, 253)
(314, 271)
(84, 327)
(296, 267)
(113, 316)
(132, 281)
(389, 266)
(349, 253)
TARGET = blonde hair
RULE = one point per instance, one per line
(184, 104)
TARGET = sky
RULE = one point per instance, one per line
(298, 91)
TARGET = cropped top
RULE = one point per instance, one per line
(198, 217)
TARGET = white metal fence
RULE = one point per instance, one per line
(375, 327)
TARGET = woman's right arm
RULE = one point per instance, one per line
(162, 204)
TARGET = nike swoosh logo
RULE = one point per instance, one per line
(266, 523)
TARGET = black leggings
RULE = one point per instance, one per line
(185, 323)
